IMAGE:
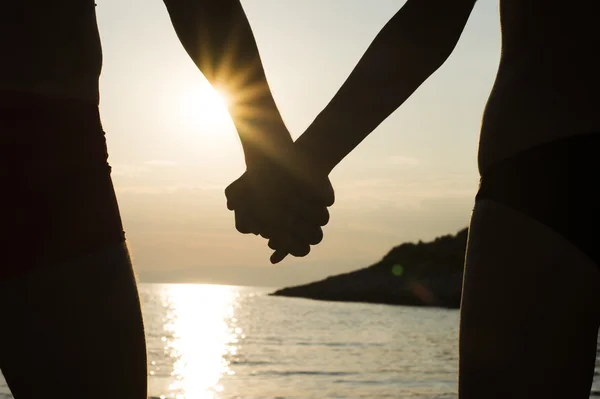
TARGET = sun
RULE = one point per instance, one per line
(205, 111)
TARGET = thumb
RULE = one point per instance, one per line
(321, 191)
(235, 192)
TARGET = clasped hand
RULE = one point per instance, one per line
(284, 201)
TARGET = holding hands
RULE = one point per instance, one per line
(285, 192)
(284, 200)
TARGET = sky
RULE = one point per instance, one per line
(174, 149)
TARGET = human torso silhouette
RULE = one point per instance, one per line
(547, 80)
(50, 48)
(54, 154)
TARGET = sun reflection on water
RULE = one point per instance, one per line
(199, 336)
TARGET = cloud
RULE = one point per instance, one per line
(128, 170)
(181, 189)
(160, 162)
(135, 170)
(403, 160)
(406, 189)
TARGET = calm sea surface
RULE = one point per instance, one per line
(221, 342)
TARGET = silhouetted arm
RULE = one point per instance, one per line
(217, 36)
(411, 47)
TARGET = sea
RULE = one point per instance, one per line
(228, 342)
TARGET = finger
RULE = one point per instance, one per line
(234, 201)
(289, 245)
(235, 192)
(319, 191)
(268, 227)
(327, 193)
(308, 210)
(294, 231)
(278, 256)
(299, 249)
(321, 216)
(277, 244)
(245, 221)
(317, 215)
(275, 222)
(232, 205)
(305, 224)
(292, 223)
(314, 236)
(245, 225)
(303, 232)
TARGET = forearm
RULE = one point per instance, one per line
(411, 47)
(217, 36)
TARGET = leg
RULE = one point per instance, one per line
(75, 330)
(530, 310)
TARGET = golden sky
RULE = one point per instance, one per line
(173, 147)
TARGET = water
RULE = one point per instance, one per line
(219, 342)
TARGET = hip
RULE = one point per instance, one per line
(59, 200)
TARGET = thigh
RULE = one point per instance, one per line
(530, 310)
(75, 330)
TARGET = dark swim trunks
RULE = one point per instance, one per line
(57, 200)
(557, 184)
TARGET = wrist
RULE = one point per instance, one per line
(315, 153)
(263, 141)
(261, 155)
